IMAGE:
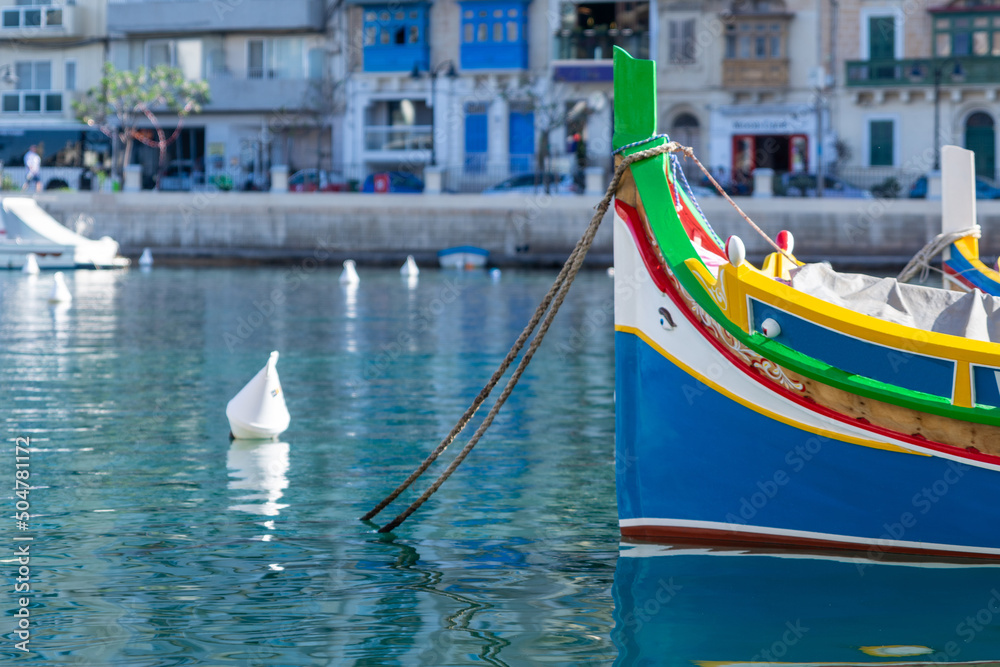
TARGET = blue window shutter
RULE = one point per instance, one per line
(522, 140)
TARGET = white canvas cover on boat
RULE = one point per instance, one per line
(972, 315)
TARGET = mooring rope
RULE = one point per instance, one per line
(548, 307)
(554, 298)
(921, 262)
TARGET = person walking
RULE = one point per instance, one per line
(33, 162)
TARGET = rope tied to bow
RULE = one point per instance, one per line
(543, 315)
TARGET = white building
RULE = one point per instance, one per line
(49, 53)
(268, 67)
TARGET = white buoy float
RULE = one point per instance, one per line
(409, 268)
(349, 276)
(146, 259)
(258, 411)
(611, 272)
(60, 293)
(495, 274)
(30, 264)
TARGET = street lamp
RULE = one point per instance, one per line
(433, 72)
(955, 75)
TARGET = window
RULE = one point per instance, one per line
(70, 78)
(30, 14)
(881, 144)
(967, 35)
(493, 34)
(33, 90)
(277, 58)
(755, 39)
(590, 30)
(159, 52)
(682, 41)
(33, 75)
(396, 39)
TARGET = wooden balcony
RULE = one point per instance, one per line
(755, 73)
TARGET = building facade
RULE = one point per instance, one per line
(50, 53)
(268, 66)
(919, 75)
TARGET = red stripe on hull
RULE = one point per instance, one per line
(658, 274)
(726, 538)
(957, 277)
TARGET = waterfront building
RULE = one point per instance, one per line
(268, 66)
(919, 75)
(49, 53)
(471, 88)
(739, 81)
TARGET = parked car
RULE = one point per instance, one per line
(181, 175)
(798, 184)
(985, 188)
(316, 180)
(392, 181)
(530, 183)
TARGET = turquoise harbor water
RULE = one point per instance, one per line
(156, 541)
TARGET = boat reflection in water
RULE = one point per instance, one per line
(714, 608)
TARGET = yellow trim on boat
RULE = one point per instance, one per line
(962, 390)
(864, 442)
(969, 247)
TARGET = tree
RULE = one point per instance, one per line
(128, 96)
(548, 103)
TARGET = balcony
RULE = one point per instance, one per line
(755, 73)
(38, 22)
(255, 93)
(597, 44)
(920, 71)
(584, 56)
(194, 16)
(31, 102)
(396, 138)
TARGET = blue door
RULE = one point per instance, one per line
(522, 140)
(476, 142)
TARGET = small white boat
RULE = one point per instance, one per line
(463, 257)
(25, 228)
(146, 259)
(258, 411)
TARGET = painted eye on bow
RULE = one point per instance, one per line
(666, 321)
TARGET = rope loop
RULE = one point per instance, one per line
(921, 262)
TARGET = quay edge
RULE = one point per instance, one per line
(518, 230)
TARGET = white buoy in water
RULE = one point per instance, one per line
(349, 276)
(30, 264)
(495, 274)
(410, 267)
(60, 293)
(611, 272)
(146, 259)
(258, 411)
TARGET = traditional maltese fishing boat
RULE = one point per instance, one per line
(788, 405)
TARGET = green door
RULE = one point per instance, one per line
(980, 137)
(882, 47)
